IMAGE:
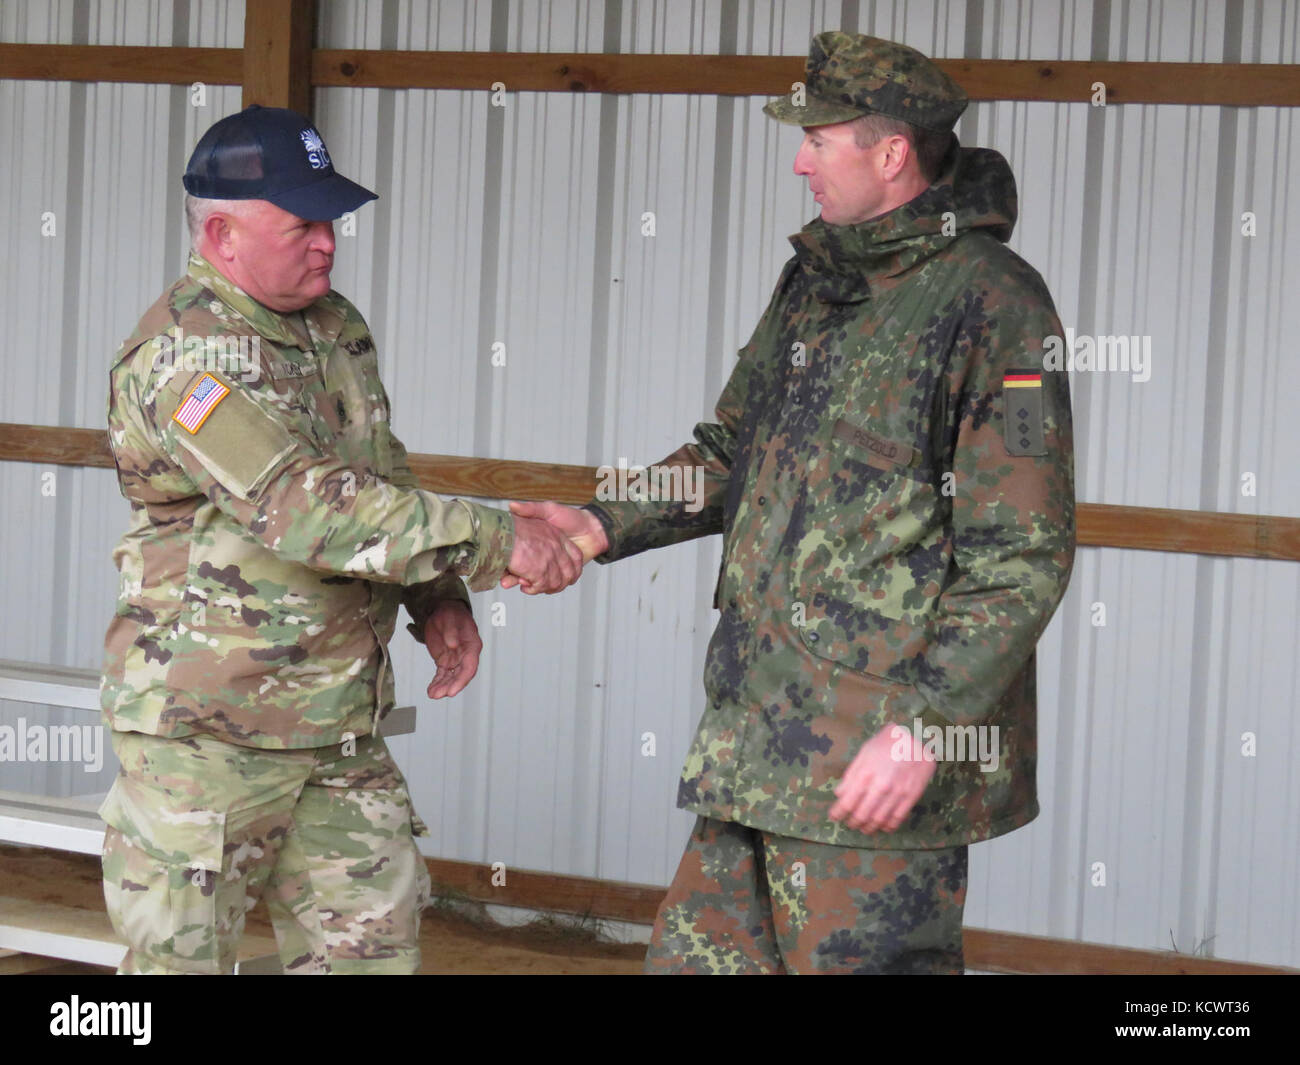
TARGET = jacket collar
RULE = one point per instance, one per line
(315, 329)
(975, 190)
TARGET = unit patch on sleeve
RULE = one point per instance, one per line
(201, 401)
(1022, 412)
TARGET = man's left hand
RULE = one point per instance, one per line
(878, 791)
(451, 636)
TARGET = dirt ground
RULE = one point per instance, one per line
(456, 936)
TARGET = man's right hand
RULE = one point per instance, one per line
(543, 559)
(580, 527)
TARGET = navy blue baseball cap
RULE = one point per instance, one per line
(272, 153)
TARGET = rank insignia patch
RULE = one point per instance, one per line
(1022, 412)
(201, 401)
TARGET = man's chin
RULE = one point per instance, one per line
(318, 285)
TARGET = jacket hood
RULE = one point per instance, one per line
(974, 191)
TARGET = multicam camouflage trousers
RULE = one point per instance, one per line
(746, 901)
(200, 830)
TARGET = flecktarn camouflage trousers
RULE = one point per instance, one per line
(746, 901)
(200, 830)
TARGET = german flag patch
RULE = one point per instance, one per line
(1022, 412)
(199, 402)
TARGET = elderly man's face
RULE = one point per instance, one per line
(278, 258)
(843, 178)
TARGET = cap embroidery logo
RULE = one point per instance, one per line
(317, 156)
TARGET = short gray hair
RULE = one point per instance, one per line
(198, 210)
(928, 146)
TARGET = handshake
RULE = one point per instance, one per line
(552, 544)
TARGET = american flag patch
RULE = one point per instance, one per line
(201, 401)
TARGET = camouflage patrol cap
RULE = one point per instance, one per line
(848, 75)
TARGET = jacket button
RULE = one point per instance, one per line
(812, 637)
(717, 704)
(732, 603)
(762, 501)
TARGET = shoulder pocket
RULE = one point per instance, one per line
(238, 442)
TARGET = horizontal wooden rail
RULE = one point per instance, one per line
(104, 62)
(1197, 532)
(723, 75)
(1233, 84)
(1221, 84)
(1100, 524)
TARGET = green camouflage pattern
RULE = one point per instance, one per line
(201, 830)
(886, 559)
(746, 902)
(268, 551)
(848, 75)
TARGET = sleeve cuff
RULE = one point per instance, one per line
(421, 600)
(494, 538)
(611, 535)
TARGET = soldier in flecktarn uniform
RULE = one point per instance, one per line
(891, 469)
(275, 528)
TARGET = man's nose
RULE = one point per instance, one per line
(323, 238)
(801, 166)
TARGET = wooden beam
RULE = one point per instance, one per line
(277, 53)
(504, 478)
(101, 62)
(55, 446)
(1216, 84)
(1100, 524)
(1233, 84)
(725, 75)
(278, 45)
(1195, 531)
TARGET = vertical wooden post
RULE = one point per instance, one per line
(278, 37)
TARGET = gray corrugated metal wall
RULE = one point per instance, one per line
(521, 225)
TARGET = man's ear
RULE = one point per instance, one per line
(218, 236)
(895, 157)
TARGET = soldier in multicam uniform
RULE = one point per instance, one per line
(276, 526)
(892, 473)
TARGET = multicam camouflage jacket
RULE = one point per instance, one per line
(892, 472)
(275, 523)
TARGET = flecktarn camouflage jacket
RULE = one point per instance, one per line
(892, 472)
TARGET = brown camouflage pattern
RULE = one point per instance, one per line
(746, 902)
(903, 569)
(269, 550)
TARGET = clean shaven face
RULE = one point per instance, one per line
(281, 260)
(843, 178)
